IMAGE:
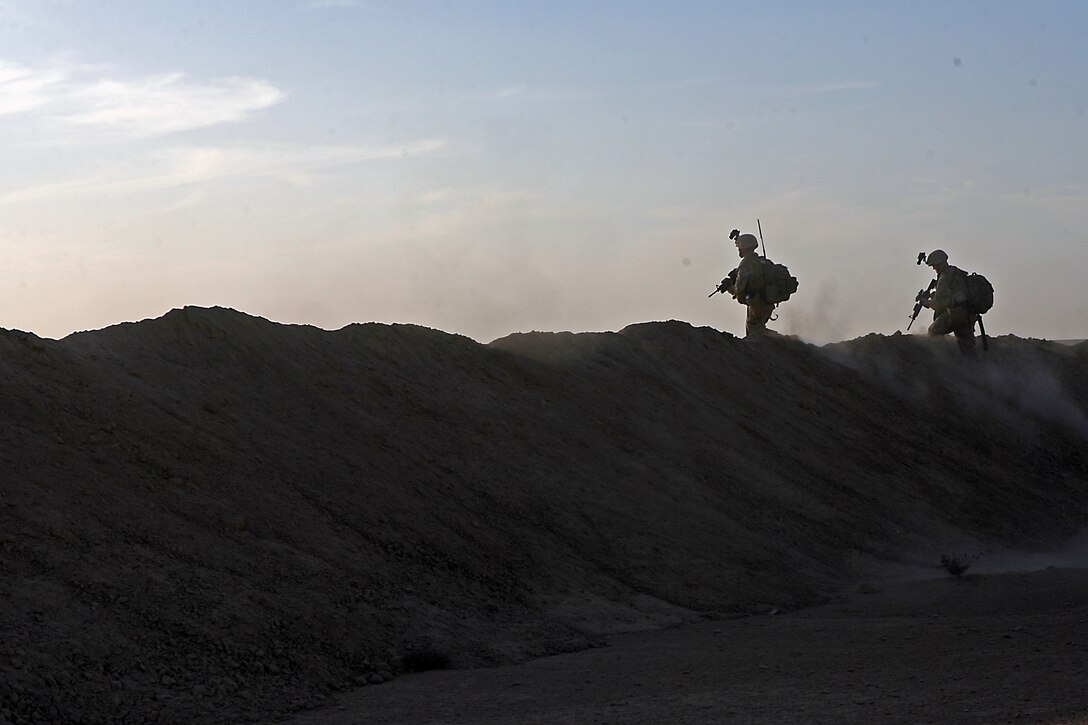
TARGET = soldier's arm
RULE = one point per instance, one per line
(940, 299)
(930, 300)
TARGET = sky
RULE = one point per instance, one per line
(490, 167)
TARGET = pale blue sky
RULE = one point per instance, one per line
(491, 167)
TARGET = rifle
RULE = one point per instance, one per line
(923, 296)
(920, 300)
(726, 284)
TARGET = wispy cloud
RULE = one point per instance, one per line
(168, 103)
(548, 95)
(23, 89)
(498, 94)
(1066, 202)
(682, 84)
(449, 211)
(68, 96)
(189, 200)
(482, 197)
(531, 95)
(316, 4)
(928, 192)
(815, 89)
(189, 166)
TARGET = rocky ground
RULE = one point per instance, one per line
(212, 517)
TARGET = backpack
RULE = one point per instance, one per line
(778, 284)
(980, 294)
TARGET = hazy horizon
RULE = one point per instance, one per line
(485, 168)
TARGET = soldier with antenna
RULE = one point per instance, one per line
(757, 282)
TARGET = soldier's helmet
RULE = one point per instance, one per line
(747, 241)
(937, 256)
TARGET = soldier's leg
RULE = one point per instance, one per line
(942, 324)
(965, 337)
(962, 325)
(966, 341)
(758, 314)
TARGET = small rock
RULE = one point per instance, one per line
(375, 679)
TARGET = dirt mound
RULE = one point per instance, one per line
(209, 516)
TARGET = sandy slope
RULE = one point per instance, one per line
(211, 516)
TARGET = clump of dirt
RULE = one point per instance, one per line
(957, 565)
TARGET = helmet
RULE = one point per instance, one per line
(747, 241)
(937, 256)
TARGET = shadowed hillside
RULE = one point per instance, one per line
(211, 516)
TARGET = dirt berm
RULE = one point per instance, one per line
(212, 517)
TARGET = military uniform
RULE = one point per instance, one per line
(748, 290)
(949, 305)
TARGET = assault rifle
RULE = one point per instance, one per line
(726, 284)
(923, 296)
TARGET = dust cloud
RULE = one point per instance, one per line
(1029, 387)
(1024, 384)
(827, 317)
